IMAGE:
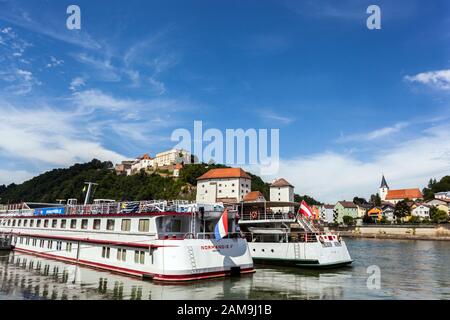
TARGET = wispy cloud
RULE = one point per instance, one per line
(275, 118)
(77, 83)
(11, 13)
(439, 79)
(375, 134)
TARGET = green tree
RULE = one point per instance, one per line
(375, 200)
(348, 220)
(439, 216)
(401, 209)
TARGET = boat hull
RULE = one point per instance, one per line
(304, 255)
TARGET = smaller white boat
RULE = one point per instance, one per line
(288, 238)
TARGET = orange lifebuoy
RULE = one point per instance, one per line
(254, 215)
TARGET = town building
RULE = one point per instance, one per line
(388, 211)
(223, 185)
(439, 204)
(173, 157)
(395, 196)
(345, 208)
(375, 214)
(254, 196)
(420, 210)
(177, 170)
(145, 162)
(124, 167)
(443, 196)
(327, 213)
(282, 191)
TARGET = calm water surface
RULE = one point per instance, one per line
(409, 270)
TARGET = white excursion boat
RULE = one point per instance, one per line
(160, 240)
(288, 239)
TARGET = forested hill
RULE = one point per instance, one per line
(69, 183)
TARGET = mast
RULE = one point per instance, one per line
(89, 190)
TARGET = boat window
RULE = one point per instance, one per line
(144, 225)
(97, 224)
(9, 222)
(84, 223)
(50, 244)
(59, 245)
(139, 257)
(63, 223)
(31, 223)
(69, 247)
(54, 222)
(121, 254)
(45, 223)
(19, 223)
(73, 224)
(106, 252)
(14, 223)
(27, 242)
(110, 224)
(126, 224)
(38, 223)
(42, 243)
(25, 223)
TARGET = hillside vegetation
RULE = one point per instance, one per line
(69, 183)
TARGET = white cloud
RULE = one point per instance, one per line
(104, 68)
(332, 176)
(76, 83)
(54, 62)
(439, 79)
(17, 176)
(47, 136)
(375, 134)
(273, 117)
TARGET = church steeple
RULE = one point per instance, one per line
(384, 183)
(384, 189)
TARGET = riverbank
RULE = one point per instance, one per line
(405, 232)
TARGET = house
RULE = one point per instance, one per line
(388, 211)
(443, 196)
(177, 169)
(282, 191)
(223, 185)
(145, 162)
(173, 157)
(375, 214)
(439, 204)
(327, 213)
(395, 196)
(420, 210)
(124, 167)
(345, 208)
(254, 196)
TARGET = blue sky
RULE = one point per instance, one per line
(350, 102)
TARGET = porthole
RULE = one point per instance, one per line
(272, 250)
(263, 250)
(254, 249)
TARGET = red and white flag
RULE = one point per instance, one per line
(305, 210)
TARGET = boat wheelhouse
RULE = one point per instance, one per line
(160, 240)
(278, 237)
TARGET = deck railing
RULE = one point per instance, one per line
(267, 216)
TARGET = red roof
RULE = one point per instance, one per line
(404, 194)
(253, 196)
(223, 173)
(281, 183)
(348, 204)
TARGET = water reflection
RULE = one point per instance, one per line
(409, 270)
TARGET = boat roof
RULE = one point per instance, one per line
(271, 204)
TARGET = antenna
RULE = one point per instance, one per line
(89, 190)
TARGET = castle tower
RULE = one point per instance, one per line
(384, 188)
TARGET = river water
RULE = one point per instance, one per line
(408, 270)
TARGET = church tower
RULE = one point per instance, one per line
(384, 188)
